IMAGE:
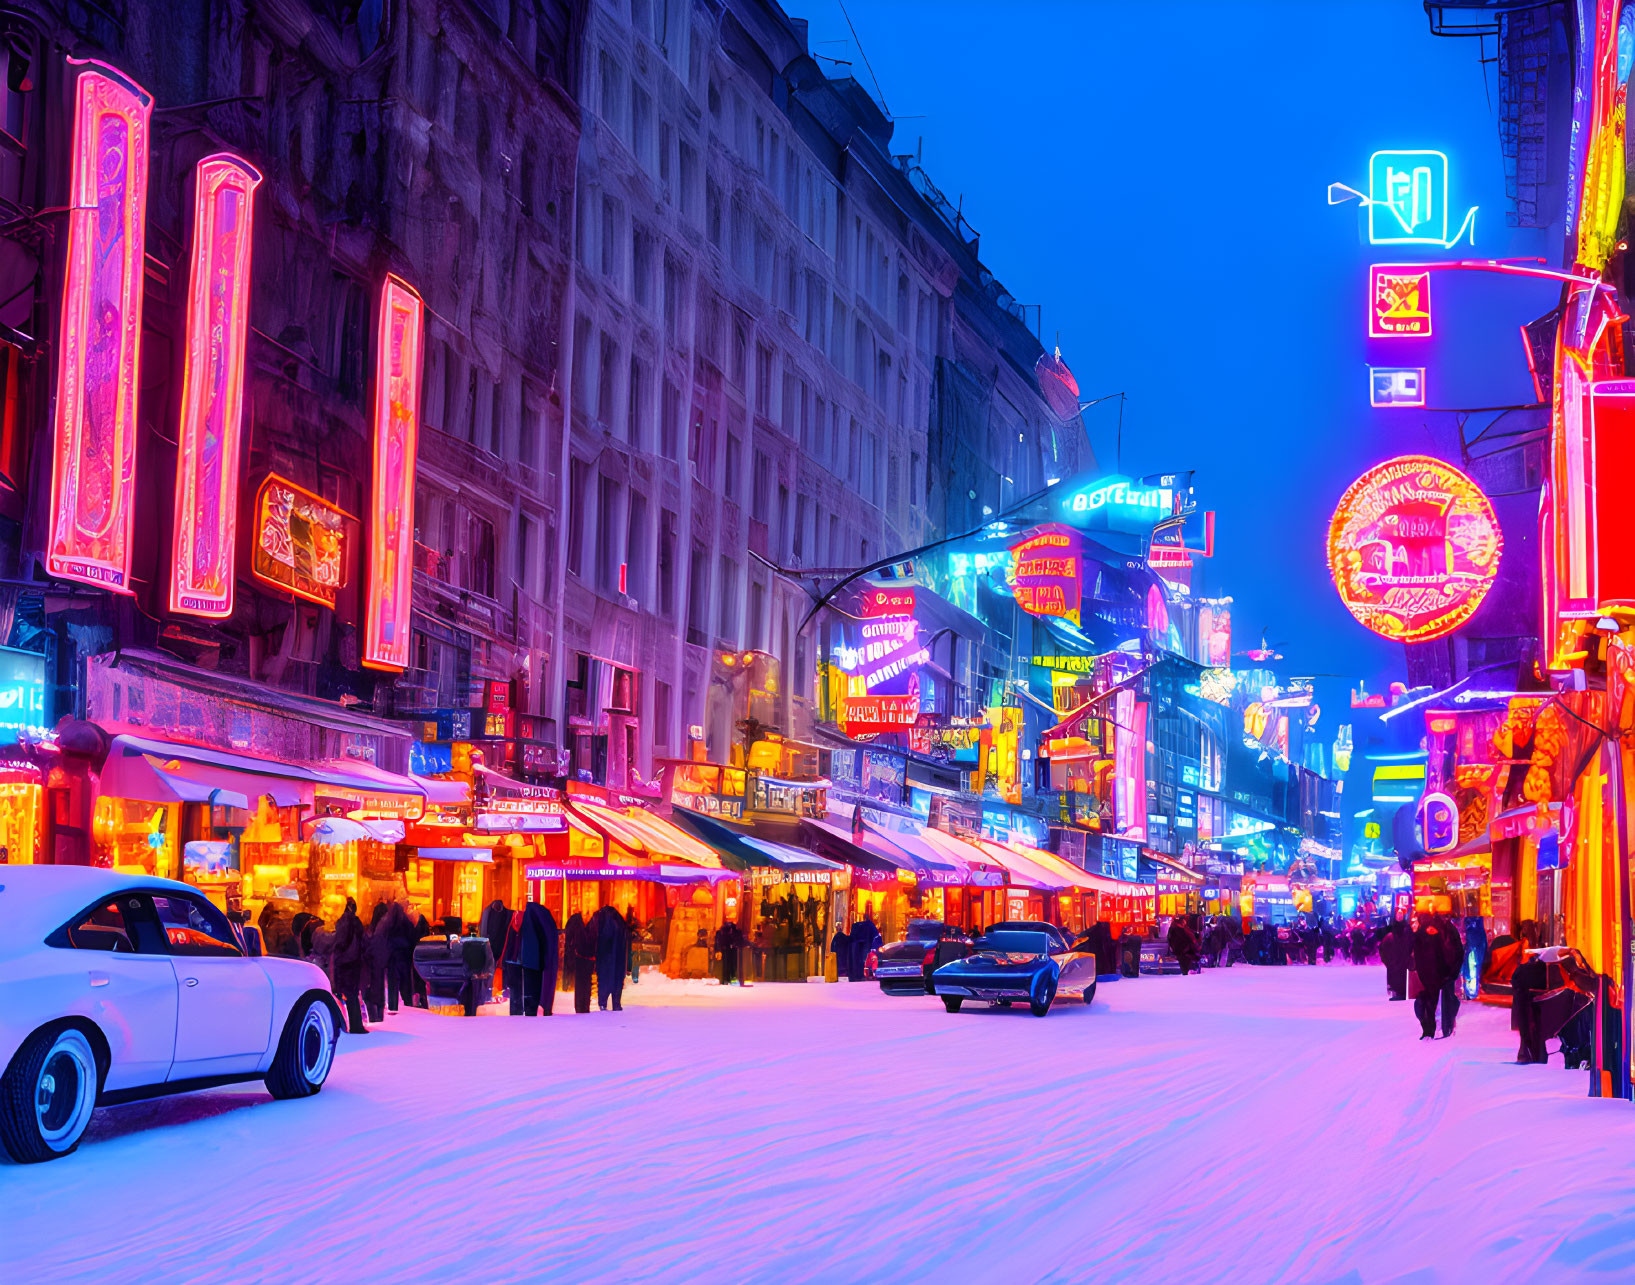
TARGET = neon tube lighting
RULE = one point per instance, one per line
(391, 513)
(207, 447)
(93, 475)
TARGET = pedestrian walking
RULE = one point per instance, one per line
(347, 965)
(510, 963)
(495, 922)
(1396, 953)
(579, 959)
(400, 936)
(376, 955)
(1183, 945)
(612, 954)
(728, 938)
(537, 950)
(1436, 953)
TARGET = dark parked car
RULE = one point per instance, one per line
(1018, 961)
(904, 967)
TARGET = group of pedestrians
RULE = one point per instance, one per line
(531, 954)
(369, 967)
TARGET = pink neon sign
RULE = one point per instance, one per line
(391, 510)
(218, 304)
(93, 475)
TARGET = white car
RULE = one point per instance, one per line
(115, 987)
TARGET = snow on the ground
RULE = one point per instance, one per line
(1271, 1124)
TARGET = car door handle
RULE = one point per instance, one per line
(191, 981)
(99, 979)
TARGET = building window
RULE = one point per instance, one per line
(635, 550)
(727, 587)
(729, 484)
(698, 595)
(670, 421)
(667, 565)
(579, 473)
(661, 715)
(761, 494)
(605, 385)
(607, 531)
(480, 552)
(763, 381)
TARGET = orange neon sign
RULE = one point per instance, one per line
(207, 452)
(391, 510)
(93, 474)
(1413, 547)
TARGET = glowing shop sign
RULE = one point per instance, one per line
(1413, 547)
(22, 691)
(1399, 302)
(1118, 501)
(874, 715)
(391, 510)
(300, 542)
(1047, 572)
(886, 602)
(93, 475)
(1596, 145)
(1396, 386)
(207, 450)
(1408, 200)
(1438, 823)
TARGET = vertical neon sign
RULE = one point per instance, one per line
(218, 304)
(391, 511)
(93, 474)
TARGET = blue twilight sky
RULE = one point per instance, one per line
(1155, 176)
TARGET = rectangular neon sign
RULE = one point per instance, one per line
(391, 510)
(93, 475)
(207, 447)
(299, 542)
(1396, 386)
(1399, 301)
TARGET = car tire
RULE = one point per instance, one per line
(306, 1050)
(952, 1002)
(47, 1094)
(1089, 993)
(1040, 1007)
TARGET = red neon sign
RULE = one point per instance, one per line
(391, 511)
(207, 450)
(1046, 572)
(1399, 301)
(93, 475)
(886, 602)
(1413, 547)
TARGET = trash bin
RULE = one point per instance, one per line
(456, 970)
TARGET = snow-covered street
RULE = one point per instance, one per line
(1258, 1124)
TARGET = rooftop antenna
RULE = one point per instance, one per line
(863, 53)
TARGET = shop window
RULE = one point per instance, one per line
(623, 699)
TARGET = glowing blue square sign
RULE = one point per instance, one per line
(1118, 504)
(22, 693)
(1408, 198)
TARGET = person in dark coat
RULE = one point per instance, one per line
(579, 959)
(1183, 945)
(347, 963)
(633, 935)
(728, 938)
(495, 923)
(537, 958)
(398, 930)
(865, 937)
(1396, 953)
(612, 946)
(375, 952)
(1529, 980)
(1435, 964)
(1101, 941)
(840, 946)
(510, 964)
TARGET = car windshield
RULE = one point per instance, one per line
(1017, 943)
(925, 930)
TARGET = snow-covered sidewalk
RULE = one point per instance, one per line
(1255, 1124)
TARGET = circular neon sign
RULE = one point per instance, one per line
(1413, 548)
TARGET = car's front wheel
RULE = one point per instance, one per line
(47, 1095)
(305, 1052)
(952, 1002)
(1040, 1004)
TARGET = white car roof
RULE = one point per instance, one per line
(36, 899)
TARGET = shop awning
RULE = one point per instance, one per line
(130, 773)
(375, 786)
(950, 862)
(446, 793)
(346, 830)
(645, 835)
(455, 854)
(746, 850)
(836, 840)
(654, 873)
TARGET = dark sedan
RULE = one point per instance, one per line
(1022, 960)
(904, 967)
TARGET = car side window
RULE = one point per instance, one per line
(123, 925)
(102, 927)
(194, 927)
